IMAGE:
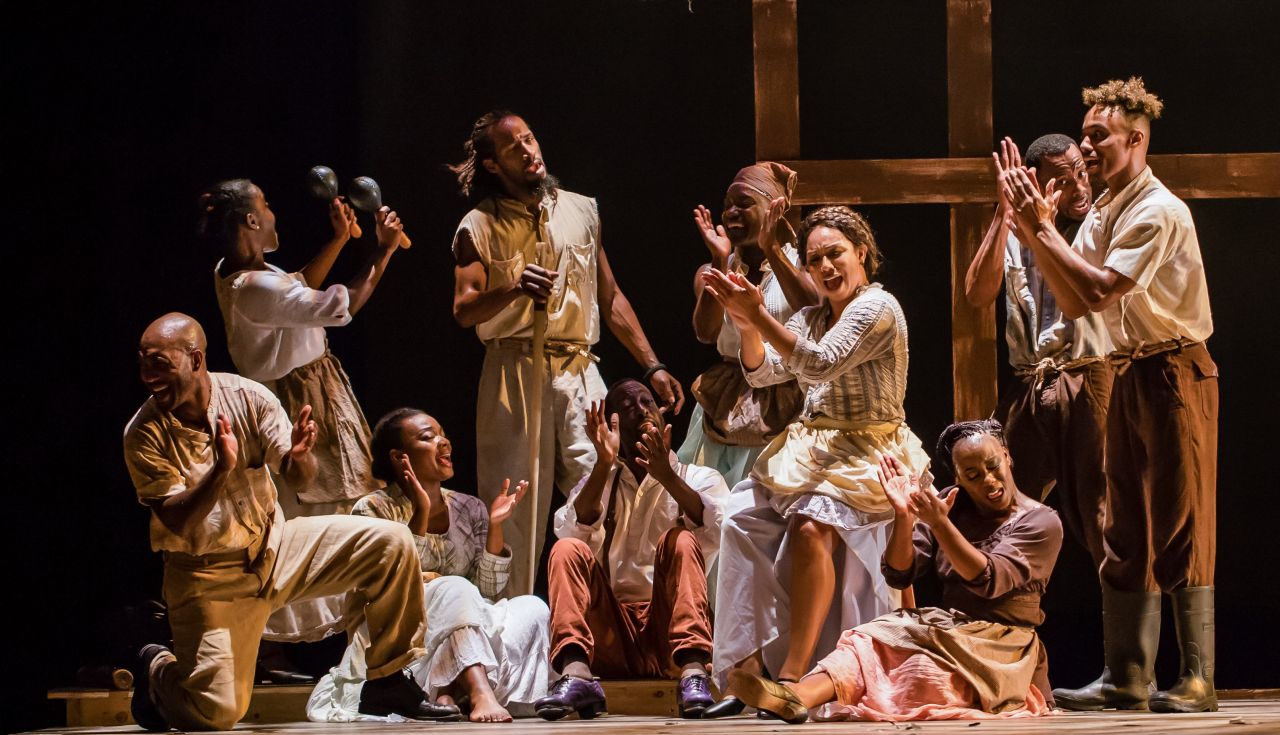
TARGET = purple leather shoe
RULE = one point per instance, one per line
(693, 696)
(572, 694)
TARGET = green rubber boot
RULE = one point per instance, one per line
(1194, 692)
(1130, 636)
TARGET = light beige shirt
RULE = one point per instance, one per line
(1036, 329)
(165, 457)
(506, 238)
(275, 322)
(1147, 235)
(643, 512)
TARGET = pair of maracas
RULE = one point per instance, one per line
(364, 193)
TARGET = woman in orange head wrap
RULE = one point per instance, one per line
(733, 422)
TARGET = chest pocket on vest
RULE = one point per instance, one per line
(578, 263)
(504, 272)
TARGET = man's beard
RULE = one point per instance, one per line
(548, 187)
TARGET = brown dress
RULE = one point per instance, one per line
(980, 657)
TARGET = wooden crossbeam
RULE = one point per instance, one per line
(972, 180)
(964, 180)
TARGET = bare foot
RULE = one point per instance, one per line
(443, 698)
(485, 708)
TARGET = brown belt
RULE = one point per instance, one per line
(555, 348)
(1122, 360)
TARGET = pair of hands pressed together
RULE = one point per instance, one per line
(1023, 206)
(653, 449)
(302, 439)
(909, 500)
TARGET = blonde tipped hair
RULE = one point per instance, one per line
(1130, 95)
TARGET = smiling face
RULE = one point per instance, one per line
(429, 450)
(1118, 142)
(1072, 177)
(517, 157)
(835, 264)
(742, 215)
(169, 372)
(985, 472)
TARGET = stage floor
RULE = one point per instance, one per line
(1238, 717)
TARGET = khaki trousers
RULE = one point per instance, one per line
(218, 604)
(631, 639)
(569, 384)
(1056, 424)
(1162, 465)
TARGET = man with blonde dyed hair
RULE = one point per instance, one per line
(1146, 277)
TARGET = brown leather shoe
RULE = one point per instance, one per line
(769, 697)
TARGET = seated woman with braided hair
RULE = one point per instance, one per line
(993, 549)
(490, 658)
(803, 535)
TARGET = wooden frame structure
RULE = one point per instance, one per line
(964, 180)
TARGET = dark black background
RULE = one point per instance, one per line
(123, 113)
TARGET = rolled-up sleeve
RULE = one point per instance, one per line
(1137, 250)
(492, 572)
(925, 547)
(271, 299)
(154, 475)
(864, 331)
(567, 525)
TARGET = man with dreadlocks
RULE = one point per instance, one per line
(1162, 424)
(1055, 412)
(529, 242)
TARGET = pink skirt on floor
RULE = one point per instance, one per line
(878, 681)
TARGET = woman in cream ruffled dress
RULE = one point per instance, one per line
(803, 537)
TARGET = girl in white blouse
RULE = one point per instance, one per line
(490, 658)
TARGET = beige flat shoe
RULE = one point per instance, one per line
(768, 696)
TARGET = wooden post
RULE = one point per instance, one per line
(777, 77)
(973, 347)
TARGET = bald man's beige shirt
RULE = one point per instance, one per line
(165, 457)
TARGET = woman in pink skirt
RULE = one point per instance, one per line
(979, 656)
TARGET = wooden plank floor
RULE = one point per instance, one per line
(1238, 717)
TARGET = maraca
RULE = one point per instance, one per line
(366, 195)
(324, 185)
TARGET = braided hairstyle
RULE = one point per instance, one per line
(850, 224)
(223, 207)
(386, 436)
(474, 181)
(952, 435)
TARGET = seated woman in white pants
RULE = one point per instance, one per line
(490, 658)
(804, 534)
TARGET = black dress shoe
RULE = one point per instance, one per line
(398, 694)
(141, 706)
(727, 707)
(265, 675)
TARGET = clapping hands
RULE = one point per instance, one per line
(909, 500)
